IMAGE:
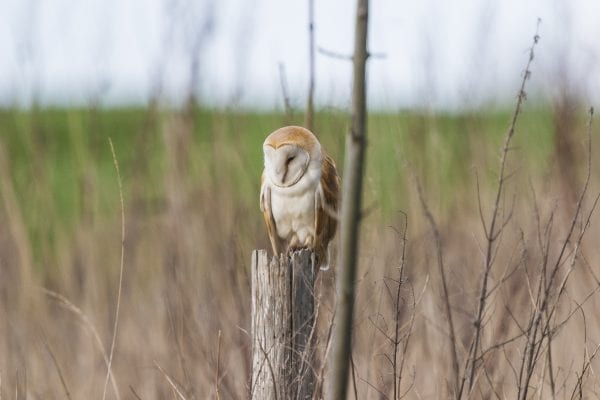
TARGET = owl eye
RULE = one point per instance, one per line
(289, 160)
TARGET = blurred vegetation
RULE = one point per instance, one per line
(62, 169)
(191, 184)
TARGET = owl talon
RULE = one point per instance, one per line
(308, 241)
(293, 245)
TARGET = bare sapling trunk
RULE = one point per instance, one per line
(282, 326)
(351, 210)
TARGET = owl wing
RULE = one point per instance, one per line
(265, 207)
(326, 208)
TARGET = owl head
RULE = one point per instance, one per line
(290, 152)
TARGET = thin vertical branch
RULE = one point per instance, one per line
(492, 233)
(351, 208)
(399, 368)
(308, 118)
(118, 306)
(549, 362)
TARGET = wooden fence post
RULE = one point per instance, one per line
(282, 326)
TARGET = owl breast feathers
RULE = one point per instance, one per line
(299, 192)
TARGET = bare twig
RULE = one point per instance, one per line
(407, 342)
(586, 363)
(382, 395)
(346, 57)
(492, 232)
(545, 298)
(399, 369)
(333, 54)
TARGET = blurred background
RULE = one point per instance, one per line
(188, 90)
(228, 52)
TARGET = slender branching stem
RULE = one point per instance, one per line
(492, 232)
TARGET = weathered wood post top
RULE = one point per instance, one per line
(282, 325)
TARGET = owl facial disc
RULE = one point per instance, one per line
(285, 165)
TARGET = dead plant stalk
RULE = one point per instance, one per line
(493, 232)
(118, 305)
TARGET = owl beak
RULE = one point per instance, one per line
(292, 179)
(282, 176)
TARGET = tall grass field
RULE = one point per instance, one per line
(190, 184)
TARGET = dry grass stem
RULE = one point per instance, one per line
(59, 371)
(118, 305)
(218, 364)
(171, 381)
(68, 305)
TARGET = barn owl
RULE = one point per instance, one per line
(299, 192)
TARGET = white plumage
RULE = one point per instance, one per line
(299, 191)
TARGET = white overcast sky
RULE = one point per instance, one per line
(437, 53)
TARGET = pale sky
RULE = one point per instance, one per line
(437, 53)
